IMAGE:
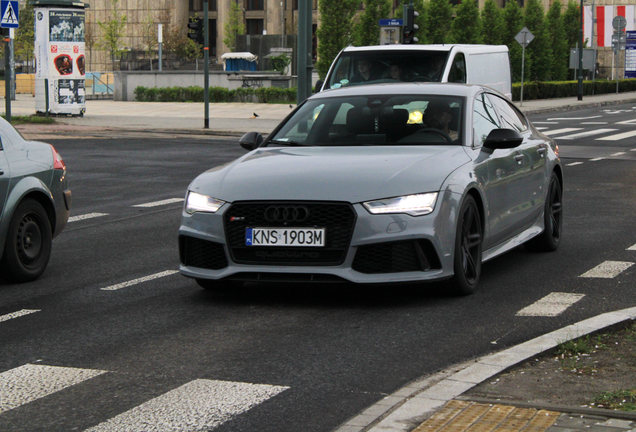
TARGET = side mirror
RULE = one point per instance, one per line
(251, 140)
(503, 139)
(318, 87)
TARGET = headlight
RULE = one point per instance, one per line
(414, 205)
(196, 202)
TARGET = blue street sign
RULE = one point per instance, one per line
(391, 22)
(9, 10)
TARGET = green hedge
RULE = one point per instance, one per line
(564, 89)
(217, 94)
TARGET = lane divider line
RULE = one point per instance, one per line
(140, 280)
(617, 137)
(160, 203)
(586, 134)
(86, 216)
(632, 248)
(575, 164)
(552, 305)
(597, 159)
(18, 314)
(608, 270)
(560, 131)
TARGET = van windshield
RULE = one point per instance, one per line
(376, 67)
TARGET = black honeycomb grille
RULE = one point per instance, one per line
(204, 254)
(338, 219)
(396, 257)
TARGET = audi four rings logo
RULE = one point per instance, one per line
(286, 214)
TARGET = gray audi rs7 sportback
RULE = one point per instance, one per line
(404, 182)
(35, 203)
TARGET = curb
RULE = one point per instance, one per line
(572, 107)
(408, 407)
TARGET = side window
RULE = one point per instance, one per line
(457, 72)
(510, 117)
(484, 119)
(341, 73)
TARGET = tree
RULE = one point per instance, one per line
(367, 29)
(233, 26)
(466, 27)
(556, 33)
(334, 32)
(90, 39)
(440, 13)
(113, 32)
(421, 20)
(513, 23)
(23, 44)
(572, 24)
(149, 36)
(539, 50)
(492, 23)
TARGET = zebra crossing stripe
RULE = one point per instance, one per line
(632, 248)
(196, 406)
(86, 216)
(160, 203)
(30, 382)
(140, 280)
(560, 131)
(551, 305)
(608, 270)
(587, 133)
(617, 137)
(18, 314)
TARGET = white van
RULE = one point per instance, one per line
(487, 65)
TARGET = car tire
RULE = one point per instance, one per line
(27, 249)
(468, 249)
(550, 238)
(218, 285)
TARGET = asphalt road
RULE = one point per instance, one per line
(278, 358)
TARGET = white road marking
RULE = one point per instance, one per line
(587, 133)
(627, 121)
(594, 123)
(632, 248)
(617, 137)
(160, 203)
(608, 270)
(30, 382)
(618, 154)
(86, 216)
(541, 128)
(545, 122)
(140, 280)
(597, 159)
(560, 131)
(551, 305)
(633, 150)
(18, 314)
(575, 164)
(576, 118)
(196, 406)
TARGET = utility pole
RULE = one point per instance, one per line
(206, 67)
(580, 90)
(304, 61)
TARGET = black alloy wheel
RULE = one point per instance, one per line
(468, 249)
(27, 249)
(550, 238)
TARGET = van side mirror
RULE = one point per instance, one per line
(318, 87)
(503, 139)
(251, 140)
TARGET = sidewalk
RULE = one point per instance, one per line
(232, 119)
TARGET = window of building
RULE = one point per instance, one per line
(197, 5)
(254, 26)
(252, 5)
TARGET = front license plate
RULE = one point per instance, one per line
(285, 237)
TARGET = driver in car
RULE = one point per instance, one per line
(439, 115)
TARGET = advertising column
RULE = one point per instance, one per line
(60, 60)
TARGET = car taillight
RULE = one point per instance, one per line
(58, 162)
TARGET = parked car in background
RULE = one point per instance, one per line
(404, 182)
(35, 203)
(487, 65)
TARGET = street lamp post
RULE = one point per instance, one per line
(580, 92)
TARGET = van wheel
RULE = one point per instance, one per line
(28, 245)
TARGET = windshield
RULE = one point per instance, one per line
(387, 66)
(375, 120)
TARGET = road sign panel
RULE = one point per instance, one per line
(9, 10)
(385, 22)
(619, 22)
(524, 37)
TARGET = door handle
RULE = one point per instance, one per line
(519, 158)
(1, 172)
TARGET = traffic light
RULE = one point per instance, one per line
(196, 24)
(408, 33)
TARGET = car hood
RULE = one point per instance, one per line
(352, 174)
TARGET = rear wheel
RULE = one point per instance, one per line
(468, 249)
(28, 245)
(550, 238)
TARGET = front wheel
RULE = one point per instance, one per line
(28, 245)
(468, 248)
(550, 238)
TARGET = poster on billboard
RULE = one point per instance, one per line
(60, 51)
(630, 55)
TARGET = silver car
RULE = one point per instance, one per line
(35, 203)
(411, 182)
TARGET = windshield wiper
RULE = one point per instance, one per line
(288, 143)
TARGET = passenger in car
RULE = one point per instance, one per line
(365, 72)
(395, 72)
(439, 115)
